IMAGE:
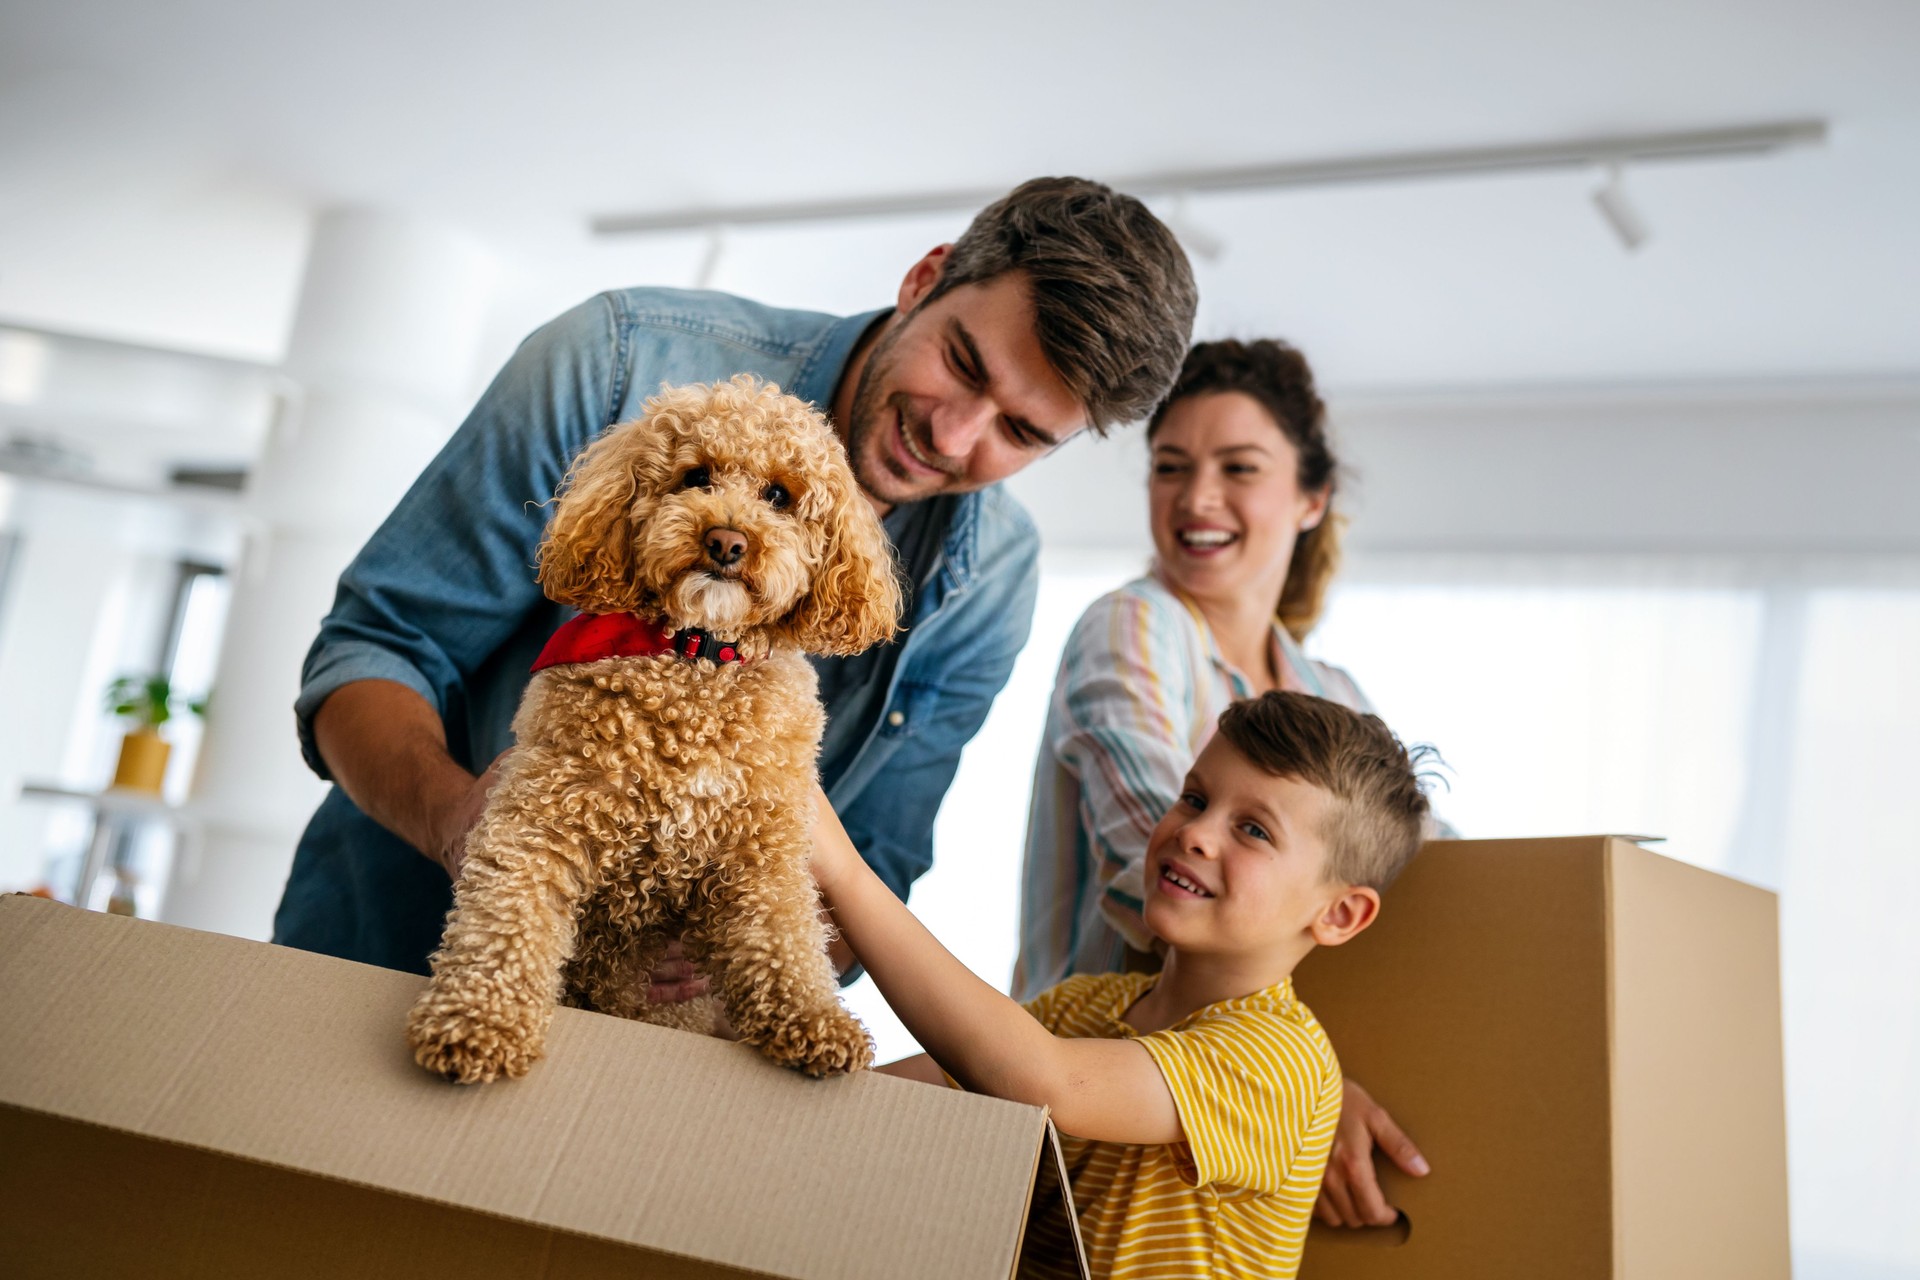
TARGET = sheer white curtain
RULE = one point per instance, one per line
(1850, 924)
(1761, 714)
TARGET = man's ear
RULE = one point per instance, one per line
(921, 278)
(1347, 915)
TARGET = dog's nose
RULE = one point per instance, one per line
(726, 546)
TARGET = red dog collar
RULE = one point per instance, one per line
(593, 636)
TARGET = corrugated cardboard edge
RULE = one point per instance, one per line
(1050, 1150)
(640, 1252)
(1066, 1190)
(356, 985)
(1608, 846)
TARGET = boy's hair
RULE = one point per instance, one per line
(1113, 295)
(1379, 812)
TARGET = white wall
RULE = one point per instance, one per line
(1744, 467)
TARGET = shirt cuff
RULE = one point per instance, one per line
(341, 664)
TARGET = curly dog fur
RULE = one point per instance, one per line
(653, 797)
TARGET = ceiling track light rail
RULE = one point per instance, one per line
(1577, 153)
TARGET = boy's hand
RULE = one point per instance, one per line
(831, 848)
(830, 843)
(1350, 1195)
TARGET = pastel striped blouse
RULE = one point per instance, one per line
(1140, 687)
(1258, 1090)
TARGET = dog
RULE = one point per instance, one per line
(661, 778)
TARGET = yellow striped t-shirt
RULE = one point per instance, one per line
(1258, 1090)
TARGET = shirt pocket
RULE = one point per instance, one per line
(910, 709)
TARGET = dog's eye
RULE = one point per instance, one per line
(777, 496)
(696, 479)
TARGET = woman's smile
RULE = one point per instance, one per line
(1204, 540)
(1225, 498)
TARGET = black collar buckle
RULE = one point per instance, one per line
(695, 643)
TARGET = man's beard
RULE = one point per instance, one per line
(872, 413)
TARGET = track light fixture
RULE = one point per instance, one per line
(715, 249)
(1194, 237)
(1611, 198)
(1571, 153)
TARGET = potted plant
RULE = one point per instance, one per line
(148, 702)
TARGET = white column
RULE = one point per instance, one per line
(383, 344)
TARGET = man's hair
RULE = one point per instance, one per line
(1379, 812)
(1113, 296)
(1280, 381)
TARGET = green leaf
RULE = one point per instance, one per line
(146, 700)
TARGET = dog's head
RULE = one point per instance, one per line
(730, 508)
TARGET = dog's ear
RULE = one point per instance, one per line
(587, 556)
(855, 600)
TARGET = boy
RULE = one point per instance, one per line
(1201, 1101)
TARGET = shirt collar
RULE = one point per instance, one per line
(1296, 661)
(1296, 670)
(819, 377)
(1132, 986)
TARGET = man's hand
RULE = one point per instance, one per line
(1350, 1194)
(675, 980)
(449, 840)
(386, 747)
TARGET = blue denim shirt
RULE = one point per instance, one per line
(442, 599)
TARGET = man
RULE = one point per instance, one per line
(1064, 307)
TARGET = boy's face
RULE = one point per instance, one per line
(1238, 865)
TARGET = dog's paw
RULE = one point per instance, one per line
(467, 1050)
(830, 1043)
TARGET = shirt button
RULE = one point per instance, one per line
(896, 718)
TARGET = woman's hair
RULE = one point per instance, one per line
(1276, 375)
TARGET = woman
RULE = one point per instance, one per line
(1246, 542)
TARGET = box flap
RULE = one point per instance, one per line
(658, 1139)
(1052, 1229)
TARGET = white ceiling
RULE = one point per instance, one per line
(161, 162)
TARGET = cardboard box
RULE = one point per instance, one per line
(176, 1103)
(1584, 1039)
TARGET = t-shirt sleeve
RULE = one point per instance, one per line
(1258, 1097)
(1051, 1005)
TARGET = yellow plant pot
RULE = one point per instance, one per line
(143, 762)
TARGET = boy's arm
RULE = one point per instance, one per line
(1107, 1090)
(919, 1067)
